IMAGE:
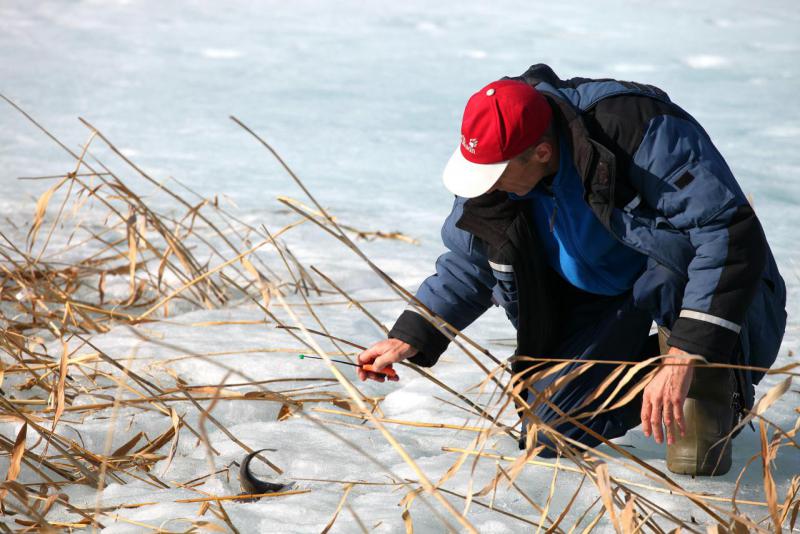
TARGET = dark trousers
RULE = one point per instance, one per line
(596, 328)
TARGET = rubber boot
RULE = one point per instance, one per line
(709, 414)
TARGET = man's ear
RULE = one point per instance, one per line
(543, 152)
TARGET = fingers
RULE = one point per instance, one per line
(673, 419)
(645, 415)
(655, 420)
(668, 414)
(662, 416)
(377, 377)
(387, 358)
(362, 375)
(369, 355)
(378, 357)
(662, 402)
(680, 421)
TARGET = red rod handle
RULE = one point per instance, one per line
(388, 370)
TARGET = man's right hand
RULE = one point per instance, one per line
(380, 355)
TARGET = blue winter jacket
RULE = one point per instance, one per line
(655, 180)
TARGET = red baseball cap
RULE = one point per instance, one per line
(500, 122)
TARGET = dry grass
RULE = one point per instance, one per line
(61, 286)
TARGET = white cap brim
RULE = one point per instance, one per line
(469, 180)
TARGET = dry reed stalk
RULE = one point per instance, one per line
(332, 520)
(108, 444)
(340, 235)
(205, 257)
(357, 398)
(620, 481)
(416, 424)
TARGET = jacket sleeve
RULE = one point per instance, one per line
(680, 173)
(459, 292)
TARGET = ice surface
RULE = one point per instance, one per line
(706, 61)
(363, 100)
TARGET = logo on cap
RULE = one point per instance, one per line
(471, 146)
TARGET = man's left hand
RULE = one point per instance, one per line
(664, 396)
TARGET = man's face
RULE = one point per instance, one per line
(524, 172)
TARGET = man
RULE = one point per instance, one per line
(590, 209)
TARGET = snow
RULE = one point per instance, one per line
(363, 100)
(706, 61)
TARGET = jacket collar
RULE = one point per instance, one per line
(596, 164)
(489, 216)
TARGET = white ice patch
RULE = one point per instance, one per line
(401, 402)
(777, 47)
(783, 130)
(706, 61)
(429, 27)
(721, 23)
(221, 53)
(475, 54)
(633, 67)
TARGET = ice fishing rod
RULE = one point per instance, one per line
(252, 485)
(387, 371)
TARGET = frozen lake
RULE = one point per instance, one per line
(363, 100)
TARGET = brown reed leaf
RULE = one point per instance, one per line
(132, 249)
(332, 520)
(15, 463)
(518, 465)
(176, 425)
(633, 391)
(739, 527)
(41, 209)
(409, 497)
(262, 286)
(627, 378)
(770, 397)
(603, 484)
(284, 413)
(762, 404)
(199, 279)
(346, 404)
(770, 491)
(407, 522)
(593, 523)
(156, 444)
(162, 265)
(452, 470)
(628, 517)
(207, 526)
(125, 448)
(601, 389)
(491, 486)
(62, 377)
(244, 497)
(793, 519)
(791, 493)
(51, 500)
(550, 494)
(568, 507)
